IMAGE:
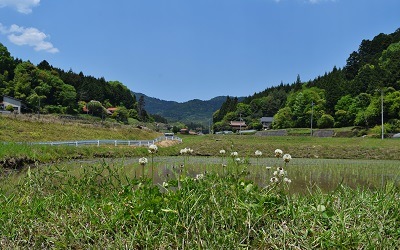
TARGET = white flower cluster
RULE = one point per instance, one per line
(280, 173)
(222, 151)
(143, 161)
(258, 153)
(186, 151)
(278, 153)
(153, 149)
(234, 154)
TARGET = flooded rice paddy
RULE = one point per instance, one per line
(307, 175)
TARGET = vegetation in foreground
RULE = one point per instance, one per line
(103, 208)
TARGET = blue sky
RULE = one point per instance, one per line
(194, 49)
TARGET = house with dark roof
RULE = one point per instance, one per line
(266, 122)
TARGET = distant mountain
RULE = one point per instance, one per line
(196, 111)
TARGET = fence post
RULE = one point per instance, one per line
(115, 143)
(129, 143)
(76, 143)
(98, 143)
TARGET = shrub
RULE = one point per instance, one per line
(10, 108)
(326, 121)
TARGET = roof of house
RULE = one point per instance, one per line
(11, 98)
(237, 123)
(267, 119)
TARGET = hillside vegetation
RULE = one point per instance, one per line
(346, 96)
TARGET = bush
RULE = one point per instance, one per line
(10, 108)
(326, 121)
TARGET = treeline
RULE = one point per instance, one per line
(348, 96)
(47, 89)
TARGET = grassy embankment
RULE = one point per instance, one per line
(50, 128)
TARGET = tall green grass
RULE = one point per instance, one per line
(105, 207)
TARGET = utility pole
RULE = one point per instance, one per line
(382, 113)
(39, 108)
(312, 113)
(240, 123)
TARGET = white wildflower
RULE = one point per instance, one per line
(153, 149)
(287, 158)
(222, 151)
(199, 176)
(258, 153)
(274, 180)
(287, 180)
(234, 154)
(143, 161)
(278, 153)
(186, 151)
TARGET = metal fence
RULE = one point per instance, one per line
(111, 142)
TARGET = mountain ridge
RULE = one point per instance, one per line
(196, 110)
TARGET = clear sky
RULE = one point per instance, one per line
(194, 49)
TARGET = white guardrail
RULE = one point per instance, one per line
(112, 142)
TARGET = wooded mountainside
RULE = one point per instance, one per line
(345, 96)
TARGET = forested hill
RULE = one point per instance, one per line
(49, 89)
(196, 111)
(345, 96)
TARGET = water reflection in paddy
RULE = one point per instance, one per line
(306, 174)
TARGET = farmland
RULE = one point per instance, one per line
(100, 197)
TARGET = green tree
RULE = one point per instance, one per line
(344, 115)
(325, 121)
(390, 64)
(7, 64)
(302, 103)
(121, 114)
(283, 119)
(359, 108)
(96, 108)
(243, 110)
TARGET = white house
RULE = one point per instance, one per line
(7, 100)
